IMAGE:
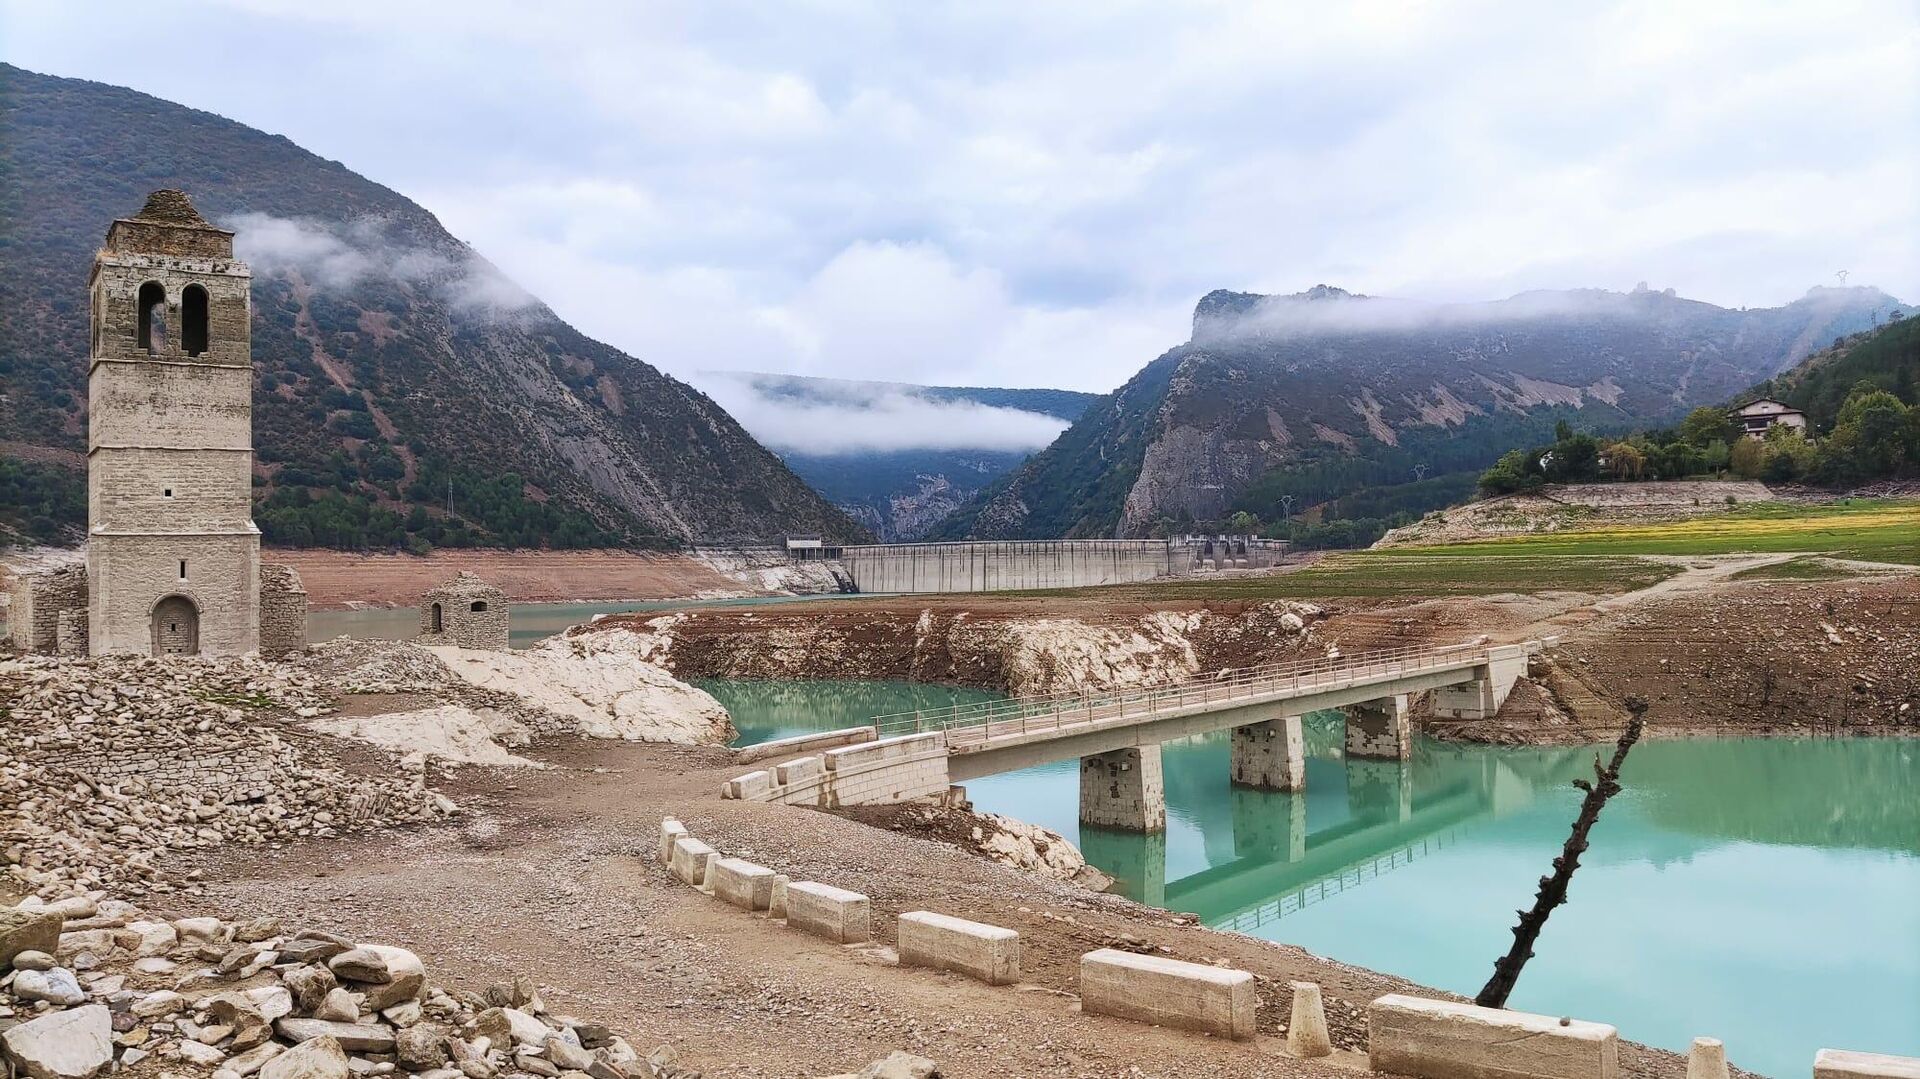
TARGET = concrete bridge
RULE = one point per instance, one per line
(1117, 734)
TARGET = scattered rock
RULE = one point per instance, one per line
(338, 1006)
(55, 986)
(28, 930)
(72, 1044)
(417, 1049)
(353, 1037)
(901, 1065)
(33, 960)
(316, 1058)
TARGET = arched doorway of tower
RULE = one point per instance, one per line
(176, 627)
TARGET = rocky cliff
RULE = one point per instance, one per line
(1356, 389)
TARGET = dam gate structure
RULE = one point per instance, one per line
(1006, 565)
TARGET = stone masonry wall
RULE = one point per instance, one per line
(283, 610)
(38, 602)
(72, 636)
(222, 582)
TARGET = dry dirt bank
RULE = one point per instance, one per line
(1716, 653)
(554, 879)
(339, 579)
(1559, 507)
(1018, 645)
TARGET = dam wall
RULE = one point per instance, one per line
(990, 566)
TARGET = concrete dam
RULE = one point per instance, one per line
(999, 565)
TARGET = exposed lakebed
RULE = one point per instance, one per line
(1764, 891)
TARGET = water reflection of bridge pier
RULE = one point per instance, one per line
(1291, 849)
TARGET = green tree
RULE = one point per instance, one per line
(1516, 470)
(1705, 424)
(1789, 456)
(1876, 436)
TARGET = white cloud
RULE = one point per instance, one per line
(840, 417)
(335, 259)
(1035, 194)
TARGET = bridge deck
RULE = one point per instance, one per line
(997, 724)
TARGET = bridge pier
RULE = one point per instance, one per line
(1270, 756)
(1379, 729)
(1469, 700)
(1124, 790)
(1482, 697)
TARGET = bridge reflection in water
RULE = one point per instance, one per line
(1356, 821)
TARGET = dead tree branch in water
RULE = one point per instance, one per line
(1553, 887)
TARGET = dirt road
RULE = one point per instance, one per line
(554, 878)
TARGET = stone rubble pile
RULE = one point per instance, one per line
(93, 985)
(351, 665)
(113, 766)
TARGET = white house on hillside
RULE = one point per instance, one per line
(1756, 418)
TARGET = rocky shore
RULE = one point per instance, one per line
(1018, 646)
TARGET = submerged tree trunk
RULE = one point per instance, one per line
(1553, 887)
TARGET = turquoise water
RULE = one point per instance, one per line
(1763, 891)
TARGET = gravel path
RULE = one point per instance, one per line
(553, 877)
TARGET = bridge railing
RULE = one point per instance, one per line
(972, 723)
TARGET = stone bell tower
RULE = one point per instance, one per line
(173, 557)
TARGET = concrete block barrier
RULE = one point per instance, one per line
(1437, 1039)
(799, 770)
(1167, 992)
(804, 743)
(886, 750)
(777, 906)
(825, 911)
(690, 860)
(753, 787)
(670, 830)
(1847, 1064)
(986, 952)
(745, 885)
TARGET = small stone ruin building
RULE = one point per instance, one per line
(467, 612)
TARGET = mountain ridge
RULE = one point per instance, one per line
(1273, 385)
(396, 371)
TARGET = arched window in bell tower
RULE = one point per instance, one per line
(193, 320)
(153, 318)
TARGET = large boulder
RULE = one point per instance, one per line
(28, 931)
(387, 975)
(57, 986)
(353, 1037)
(74, 1044)
(316, 1058)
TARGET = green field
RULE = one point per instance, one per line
(1873, 530)
(1597, 560)
(1797, 569)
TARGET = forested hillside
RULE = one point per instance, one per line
(1886, 358)
(1863, 425)
(1282, 404)
(407, 393)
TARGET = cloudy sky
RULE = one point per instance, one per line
(1034, 194)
